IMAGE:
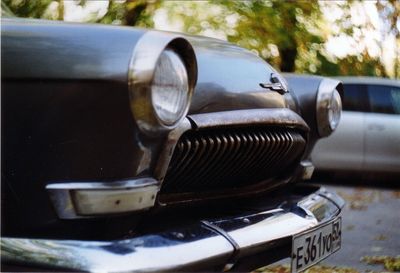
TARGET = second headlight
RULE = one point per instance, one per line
(334, 110)
(329, 107)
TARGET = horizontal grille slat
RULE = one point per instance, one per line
(209, 160)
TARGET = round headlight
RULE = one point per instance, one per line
(170, 88)
(334, 110)
(162, 77)
(329, 106)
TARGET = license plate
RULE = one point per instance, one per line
(313, 246)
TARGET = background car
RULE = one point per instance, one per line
(368, 136)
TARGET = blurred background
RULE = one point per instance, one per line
(331, 38)
(316, 37)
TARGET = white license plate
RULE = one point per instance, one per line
(313, 246)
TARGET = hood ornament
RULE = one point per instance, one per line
(278, 84)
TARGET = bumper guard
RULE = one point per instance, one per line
(208, 243)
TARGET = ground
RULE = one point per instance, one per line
(371, 233)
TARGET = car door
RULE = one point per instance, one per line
(344, 149)
(382, 136)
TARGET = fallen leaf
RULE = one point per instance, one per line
(396, 194)
(380, 237)
(390, 263)
(350, 227)
(360, 198)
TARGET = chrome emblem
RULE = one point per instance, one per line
(277, 84)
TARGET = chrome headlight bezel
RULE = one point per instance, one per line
(143, 64)
(328, 100)
(170, 94)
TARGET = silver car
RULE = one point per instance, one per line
(368, 136)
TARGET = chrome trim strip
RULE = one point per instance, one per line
(250, 117)
(333, 196)
(307, 169)
(169, 146)
(87, 199)
(179, 249)
(223, 233)
(153, 253)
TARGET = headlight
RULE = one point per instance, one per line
(162, 77)
(170, 88)
(329, 107)
(335, 110)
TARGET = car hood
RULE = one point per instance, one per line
(229, 77)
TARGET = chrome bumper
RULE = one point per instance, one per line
(205, 244)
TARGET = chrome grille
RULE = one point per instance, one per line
(226, 158)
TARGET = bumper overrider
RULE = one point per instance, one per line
(263, 233)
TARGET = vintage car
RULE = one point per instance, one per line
(129, 149)
(367, 141)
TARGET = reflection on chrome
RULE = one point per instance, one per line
(144, 66)
(329, 106)
(86, 199)
(183, 248)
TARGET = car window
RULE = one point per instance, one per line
(384, 99)
(395, 94)
(355, 98)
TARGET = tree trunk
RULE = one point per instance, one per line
(288, 57)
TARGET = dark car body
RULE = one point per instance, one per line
(75, 129)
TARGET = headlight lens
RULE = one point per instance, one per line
(162, 77)
(329, 106)
(334, 110)
(170, 88)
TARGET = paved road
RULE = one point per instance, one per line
(371, 227)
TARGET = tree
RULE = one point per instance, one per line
(287, 25)
(28, 9)
(361, 26)
(389, 11)
(131, 12)
(275, 30)
(293, 35)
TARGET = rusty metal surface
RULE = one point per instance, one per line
(248, 118)
(282, 117)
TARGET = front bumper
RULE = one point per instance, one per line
(264, 231)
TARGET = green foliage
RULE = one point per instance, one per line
(275, 30)
(389, 11)
(115, 14)
(390, 263)
(134, 13)
(291, 35)
(27, 8)
(131, 12)
(288, 25)
(5, 11)
(351, 65)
